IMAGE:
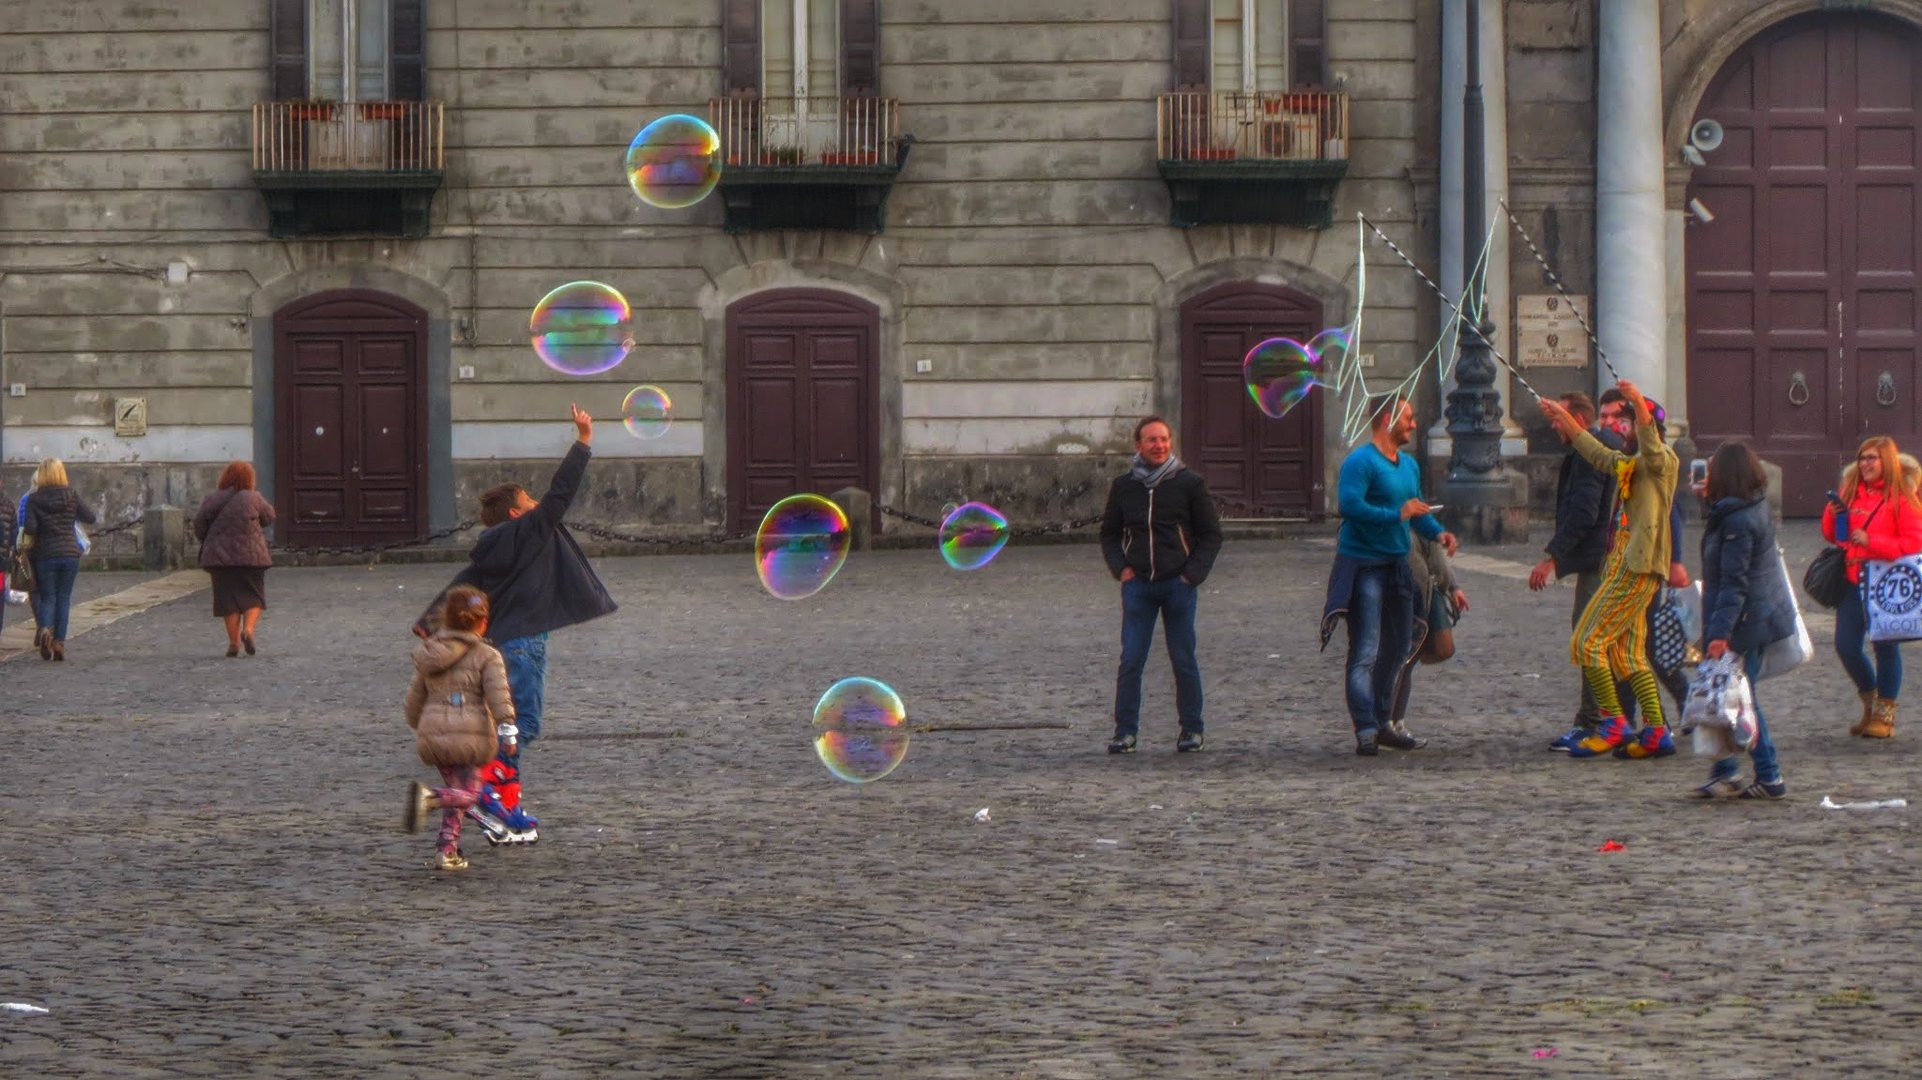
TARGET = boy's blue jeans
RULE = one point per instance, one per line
(1381, 623)
(1174, 601)
(526, 660)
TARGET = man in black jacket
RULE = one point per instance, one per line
(537, 580)
(1160, 535)
(1584, 509)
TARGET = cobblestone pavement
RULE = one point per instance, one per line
(205, 876)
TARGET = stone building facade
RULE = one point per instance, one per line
(958, 248)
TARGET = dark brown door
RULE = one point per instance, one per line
(802, 398)
(1803, 292)
(350, 419)
(1272, 468)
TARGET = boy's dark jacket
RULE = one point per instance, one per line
(534, 574)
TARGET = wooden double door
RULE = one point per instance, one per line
(350, 426)
(1803, 292)
(803, 398)
(1262, 466)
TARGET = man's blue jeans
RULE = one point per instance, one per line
(1381, 622)
(1851, 634)
(1763, 752)
(53, 593)
(526, 659)
(1174, 600)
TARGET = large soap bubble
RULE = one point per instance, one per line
(860, 729)
(674, 162)
(801, 545)
(582, 328)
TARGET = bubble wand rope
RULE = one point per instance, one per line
(1555, 280)
(1452, 306)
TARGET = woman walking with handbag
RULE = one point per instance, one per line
(233, 551)
(53, 519)
(1875, 515)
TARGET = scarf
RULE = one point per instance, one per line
(1152, 477)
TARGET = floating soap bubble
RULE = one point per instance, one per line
(645, 412)
(972, 534)
(1330, 349)
(860, 730)
(1279, 373)
(674, 162)
(582, 328)
(800, 546)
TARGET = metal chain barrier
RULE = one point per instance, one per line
(1052, 529)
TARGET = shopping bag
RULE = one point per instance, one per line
(1892, 596)
(1720, 711)
(1669, 627)
(1793, 651)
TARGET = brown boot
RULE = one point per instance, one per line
(43, 640)
(1882, 724)
(1868, 712)
(59, 650)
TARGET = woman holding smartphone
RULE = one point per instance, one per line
(1875, 515)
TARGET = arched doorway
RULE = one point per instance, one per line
(1271, 468)
(350, 418)
(803, 397)
(1803, 290)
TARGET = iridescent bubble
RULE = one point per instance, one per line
(674, 162)
(972, 534)
(801, 545)
(1331, 348)
(1279, 373)
(646, 412)
(582, 328)
(860, 729)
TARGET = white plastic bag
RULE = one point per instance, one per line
(80, 538)
(1795, 650)
(1720, 711)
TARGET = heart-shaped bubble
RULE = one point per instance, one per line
(1279, 373)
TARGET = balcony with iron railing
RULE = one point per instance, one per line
(330, 168)
(1252, 158)
(808, 163)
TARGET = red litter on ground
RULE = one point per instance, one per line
(1612, 845)
(1547, 1052)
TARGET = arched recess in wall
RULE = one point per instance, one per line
(407, 297)
(1803, 291)
(1206, 320)
(800, 335)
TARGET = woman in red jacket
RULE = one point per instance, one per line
(1877, 517)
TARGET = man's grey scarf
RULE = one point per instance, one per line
(1152, 477)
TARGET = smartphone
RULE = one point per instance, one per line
(1698, 471)
(1432, 507)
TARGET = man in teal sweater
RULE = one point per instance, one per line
(1371, 586)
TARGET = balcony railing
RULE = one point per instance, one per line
(779, 132)
(349, 136)
(1266, 126)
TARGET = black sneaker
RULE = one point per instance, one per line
(1121, 744)
(1365, 744)
(1765, 789)
(1396, 737)
(1189, 743)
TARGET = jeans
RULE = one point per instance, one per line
(1174, 600)
(1851, 633)
(1763, 752)
(1381, 623)
(53, 595)
(526, 660)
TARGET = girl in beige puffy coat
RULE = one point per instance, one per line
(456, 706)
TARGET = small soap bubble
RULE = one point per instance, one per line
(972, 534)
(674, 162)
(582, 328)
(646, 412)
(801, 545)
(1279, 373)
(860, 729)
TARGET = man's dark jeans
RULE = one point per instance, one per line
(1174, 600)
(1381, 623)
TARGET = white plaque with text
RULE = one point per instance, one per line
(1548, 331)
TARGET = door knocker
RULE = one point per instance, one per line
(1885, 389)
(1798, 389)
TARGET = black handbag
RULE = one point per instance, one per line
(1827, 579)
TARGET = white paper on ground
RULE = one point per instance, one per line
(20, 1006)
(1879, 804)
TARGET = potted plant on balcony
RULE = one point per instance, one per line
(311, 109)
(851, 157)
(780, 155)
(382, 110)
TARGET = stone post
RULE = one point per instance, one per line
(858, 505)
(1631, 232)
(164, 538)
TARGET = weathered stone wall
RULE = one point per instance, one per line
(1027, 259)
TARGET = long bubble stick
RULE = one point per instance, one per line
(1555, 280)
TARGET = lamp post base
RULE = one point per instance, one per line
(1489, 509)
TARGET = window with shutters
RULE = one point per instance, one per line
(348, 36)
(800, 48)
(1250, 45)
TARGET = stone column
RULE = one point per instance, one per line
(1495, 102)
(1631, 230)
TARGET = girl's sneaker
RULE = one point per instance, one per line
(1766, 789)
(1721, 787)
(451, 860)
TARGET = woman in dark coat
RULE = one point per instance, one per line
(54, 511)
(233, 551)
(1746, 605)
